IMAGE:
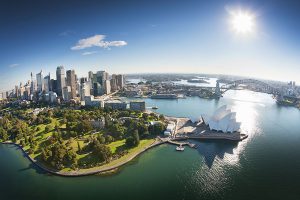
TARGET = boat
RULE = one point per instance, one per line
(180, 148)
(155, 107)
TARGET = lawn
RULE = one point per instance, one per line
(114, 145)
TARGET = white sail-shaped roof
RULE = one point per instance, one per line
(222, 120)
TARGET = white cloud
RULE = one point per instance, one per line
(14, 65)
(88, 53)
(97, 41)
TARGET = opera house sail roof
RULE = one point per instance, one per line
(223, 120)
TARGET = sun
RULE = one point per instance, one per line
(242, 22)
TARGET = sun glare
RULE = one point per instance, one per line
(242, 22)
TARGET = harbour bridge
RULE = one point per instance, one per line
(252, 84)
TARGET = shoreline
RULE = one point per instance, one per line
(236, 137)
(77, 173)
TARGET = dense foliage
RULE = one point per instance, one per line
(76, 138)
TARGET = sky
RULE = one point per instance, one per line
(138, 36)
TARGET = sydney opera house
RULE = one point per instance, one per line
(223, 120)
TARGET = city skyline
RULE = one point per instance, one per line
(168, 37)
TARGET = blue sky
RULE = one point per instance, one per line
(148, 36)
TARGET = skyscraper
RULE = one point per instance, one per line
(71, 81)
(120, 81)
(47, 83)
(61, 81)
(106, 85)
(40, 81)
(113, 84)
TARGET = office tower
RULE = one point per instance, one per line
(21, 90)
(101, 76)
(113, 85)
(67, 93)
(47, 83)
(91, 76)
(83, 80)
(61, 81)
(97, 89)
(120, 81)
(71, 81)
(40, 81)
(53, 85)
(106, 85)
(16, 91)
(85, 90)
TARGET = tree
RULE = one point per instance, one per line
(129, 141)
(48, 128)
(101, 151)
(157, 128)
(79, 147)
(134, 140)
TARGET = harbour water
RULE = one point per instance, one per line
(264, 166)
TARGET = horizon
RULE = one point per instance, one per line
(149, 37)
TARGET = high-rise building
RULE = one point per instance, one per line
(16, 91)
(40, 81)
(101, 76)
(113, 85)
(120, 81)
(61, 81)
(53, 85)
(71, 81)
(91, 76)
(106, 85)
(97, 89)
(21, 90)
(47, 83)
(85, 90)
(67, 93)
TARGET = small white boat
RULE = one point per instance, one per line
(180, 148)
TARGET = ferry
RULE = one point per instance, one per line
(154, 107)
(180, 148)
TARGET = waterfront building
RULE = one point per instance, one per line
(71, 82)
(40, 81)
(91, 101)
(67, 93)
(61, 81)
(138, 105)
(115, 104)
(170, 129)
(223, 120)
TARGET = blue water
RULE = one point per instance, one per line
(264, 166)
